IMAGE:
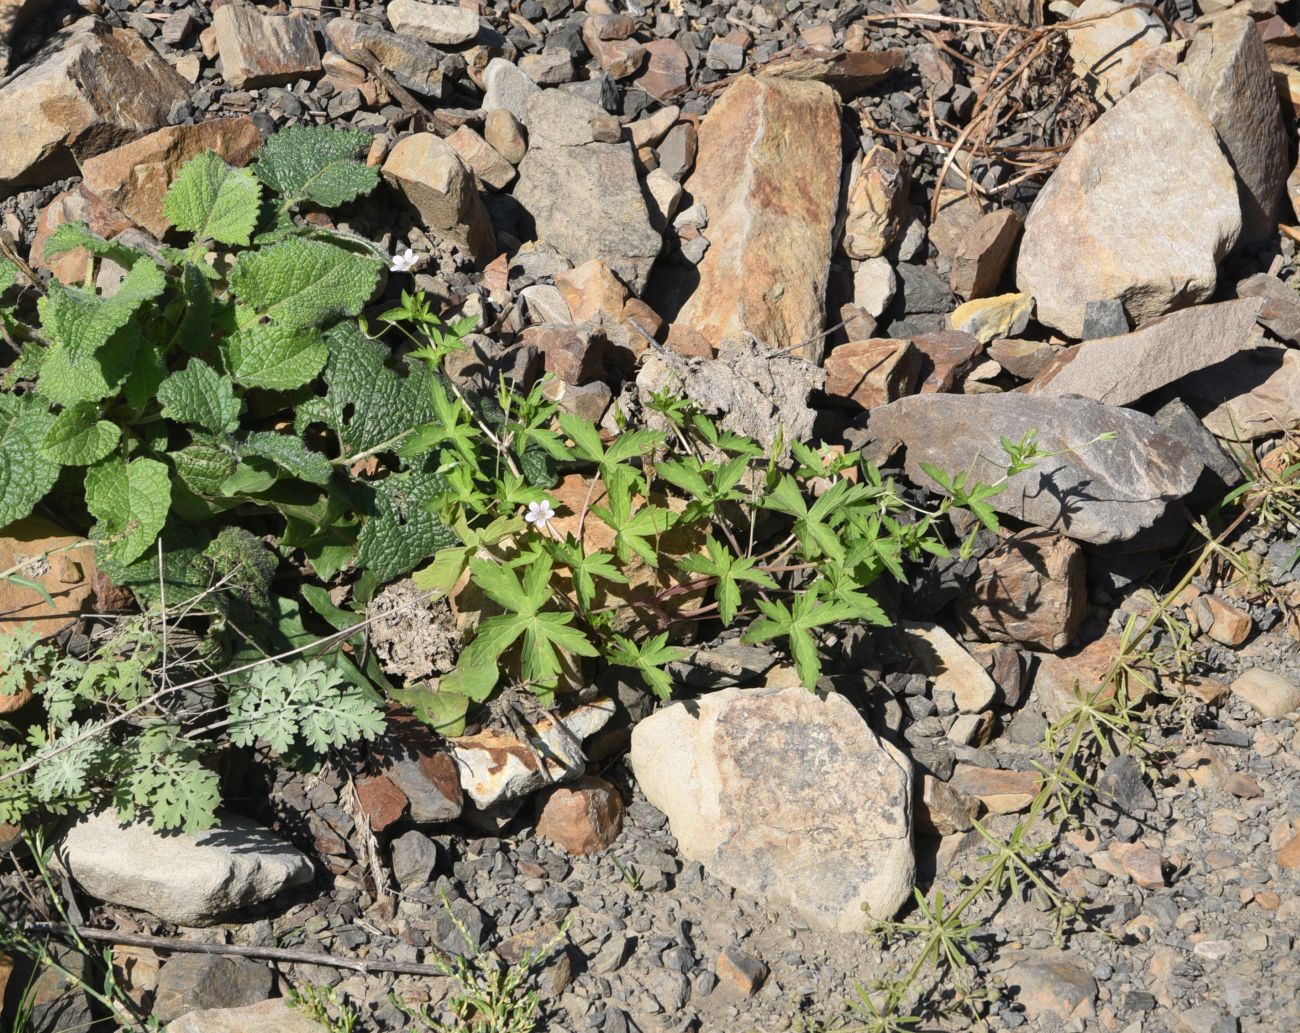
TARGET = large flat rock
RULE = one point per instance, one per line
(768, 174)
(1093, 491)
(786, 796)
(1141, 210)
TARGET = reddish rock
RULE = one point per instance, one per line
(1001, 791)
(872, 372)
(554, 970)
(1142, 864)
(73, 206)
(1029, 589)
(685, 341)
(946, 357)
(416, 760)
(574, 353)
(134, 177)
(66, 575)
(1288, 855)
(1230, 626)
(1084, 670)
(582, 818)
(741, 972)
(768, 174)
(596, 296)
(502, 130)
(943, 810)
(664, 74)
(487, 163)
(264, 49)
(619, 58)
(381, 801)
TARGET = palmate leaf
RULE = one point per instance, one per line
(730, 571)
(82, 321)
(26, 476)
(649, 657)
(317, 164)
(213, 200)
(77, 437)
(304, 283)
(797, 623)
(130, 502)
(276, 357)
(200, 395)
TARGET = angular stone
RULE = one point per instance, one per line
(505, 86)
(1254, 395)
(413, 64)
(874, 284)
(599, 212)
(664, 74)
(442, 25)
(549, 68)
(91, 89)
(740, 972)
(48, 556)
(1140, 863)
(485, 161)
(563, 118)
(415, 760)
(1110, 50)
(677, 152)
(1064, 677)
(753, 781)
(666, 193)
(14, 18)
(415, 856)
(944, 810)
(877, 204)
(188, 878)
(189, 982)
(987, 318)
(264, 49)
(503, 132)
(1227, 72)
(575, 353)
(768, 173)
(1000, 791)
(1280, 313)
(946, 357)
(1108, 491)
(1023, 359)
(431, 176)
(134, 178)
(1104, 318)
(582, 818)
(619, 58)
(1141, 209)
(1053, 987)
(983, 252)
(1229, 625)
(273, 1016)
(1029, 589)
(1121, 370)
(1269, 693)
(872, 372)
(381, 801)
(1288, 855)
(950, 667)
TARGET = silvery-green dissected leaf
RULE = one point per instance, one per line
(272, 356)
(200, 395)
(77, 437)
(214, 200)
(302, 283)
(83, 321)
(130, 501)
(25, 475)
(317, 164)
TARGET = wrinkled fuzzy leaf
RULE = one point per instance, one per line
(67, 379)
(317, 164)
(204, 464)
(78, 438)
(272, 356)
(26, 476)
(8, 275)
(83, 321)
(291, 454)
(71, 235)
(130, 501)
(196, 324)
(200, 395)
(402, 533)
(213, 200)
(186, 573)
(301, 283)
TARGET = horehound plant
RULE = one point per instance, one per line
(1103, 721)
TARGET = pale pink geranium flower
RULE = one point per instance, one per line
(540, 515)
(404, 261)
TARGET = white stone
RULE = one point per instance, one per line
(874, 284)
(438, 24)
(950, 667)
(1111, 50)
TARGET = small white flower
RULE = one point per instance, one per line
(540, 514)
(404, 262)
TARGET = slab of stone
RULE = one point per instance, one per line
(987, 318)
(430, 174)
(1267, 692)
(753, 782)
(872, 372)
(950, 667)
(1227, 72)
(1109, 52)
(442, 25)
(188, 878)
(413, 64)
(1141, 209)
(1254, 395)
(1120, 370)
(1280, 313)
(768, 172)
(273, 1016)
(189, 982)
(488, 164)
(983, 253)
(946, 357)
(264, 49)
(90, 89)
(1052, 986)
(1097, 491)
(506, 86)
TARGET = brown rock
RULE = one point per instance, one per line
(504, 133)
(432, 177)
(66, 575)
(1053, 987)
(1288, 855)
(944, 810)
(958, 213)
(595, 295)
(582, 818)
(619, 58)
(574, 353)
(134, 177)
(1142, 864)
(946, 357)
(847, 73)
(554, 970)
(1000, 791)
(73, 206)
(415, 760)
(92, 88)
(1242, 786)
(1208, 690)
(741, 972)
(413, 64)
(264, 49)
(1059, 674)
(1269, 693)
(877, 204)
(676, 153)
(1023, 359)
(664, 74)
(685, 341)
(1230, 626)
(950, 666)
(983, 252)
(549, 68)
(487, 163)
(1029, 589)
(768, 174)
(1002, 663)
(381, 801)
(872, 372)
(588, 401)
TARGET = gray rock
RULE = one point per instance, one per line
(586, 201)
(1255, 395)
(1052, 985)
(1093, 491)
(459, 929)
(1120, 370)
(753, 783)
(505, 86)
(1280, 314)
(1105, 318)
(1227, 72)
(412, 63)
(1140, 210)
(415, 856)
(1177, 419)
(440, 24)
(189, 878)
(273, 1016)
(1122, 786)
(189, 982)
